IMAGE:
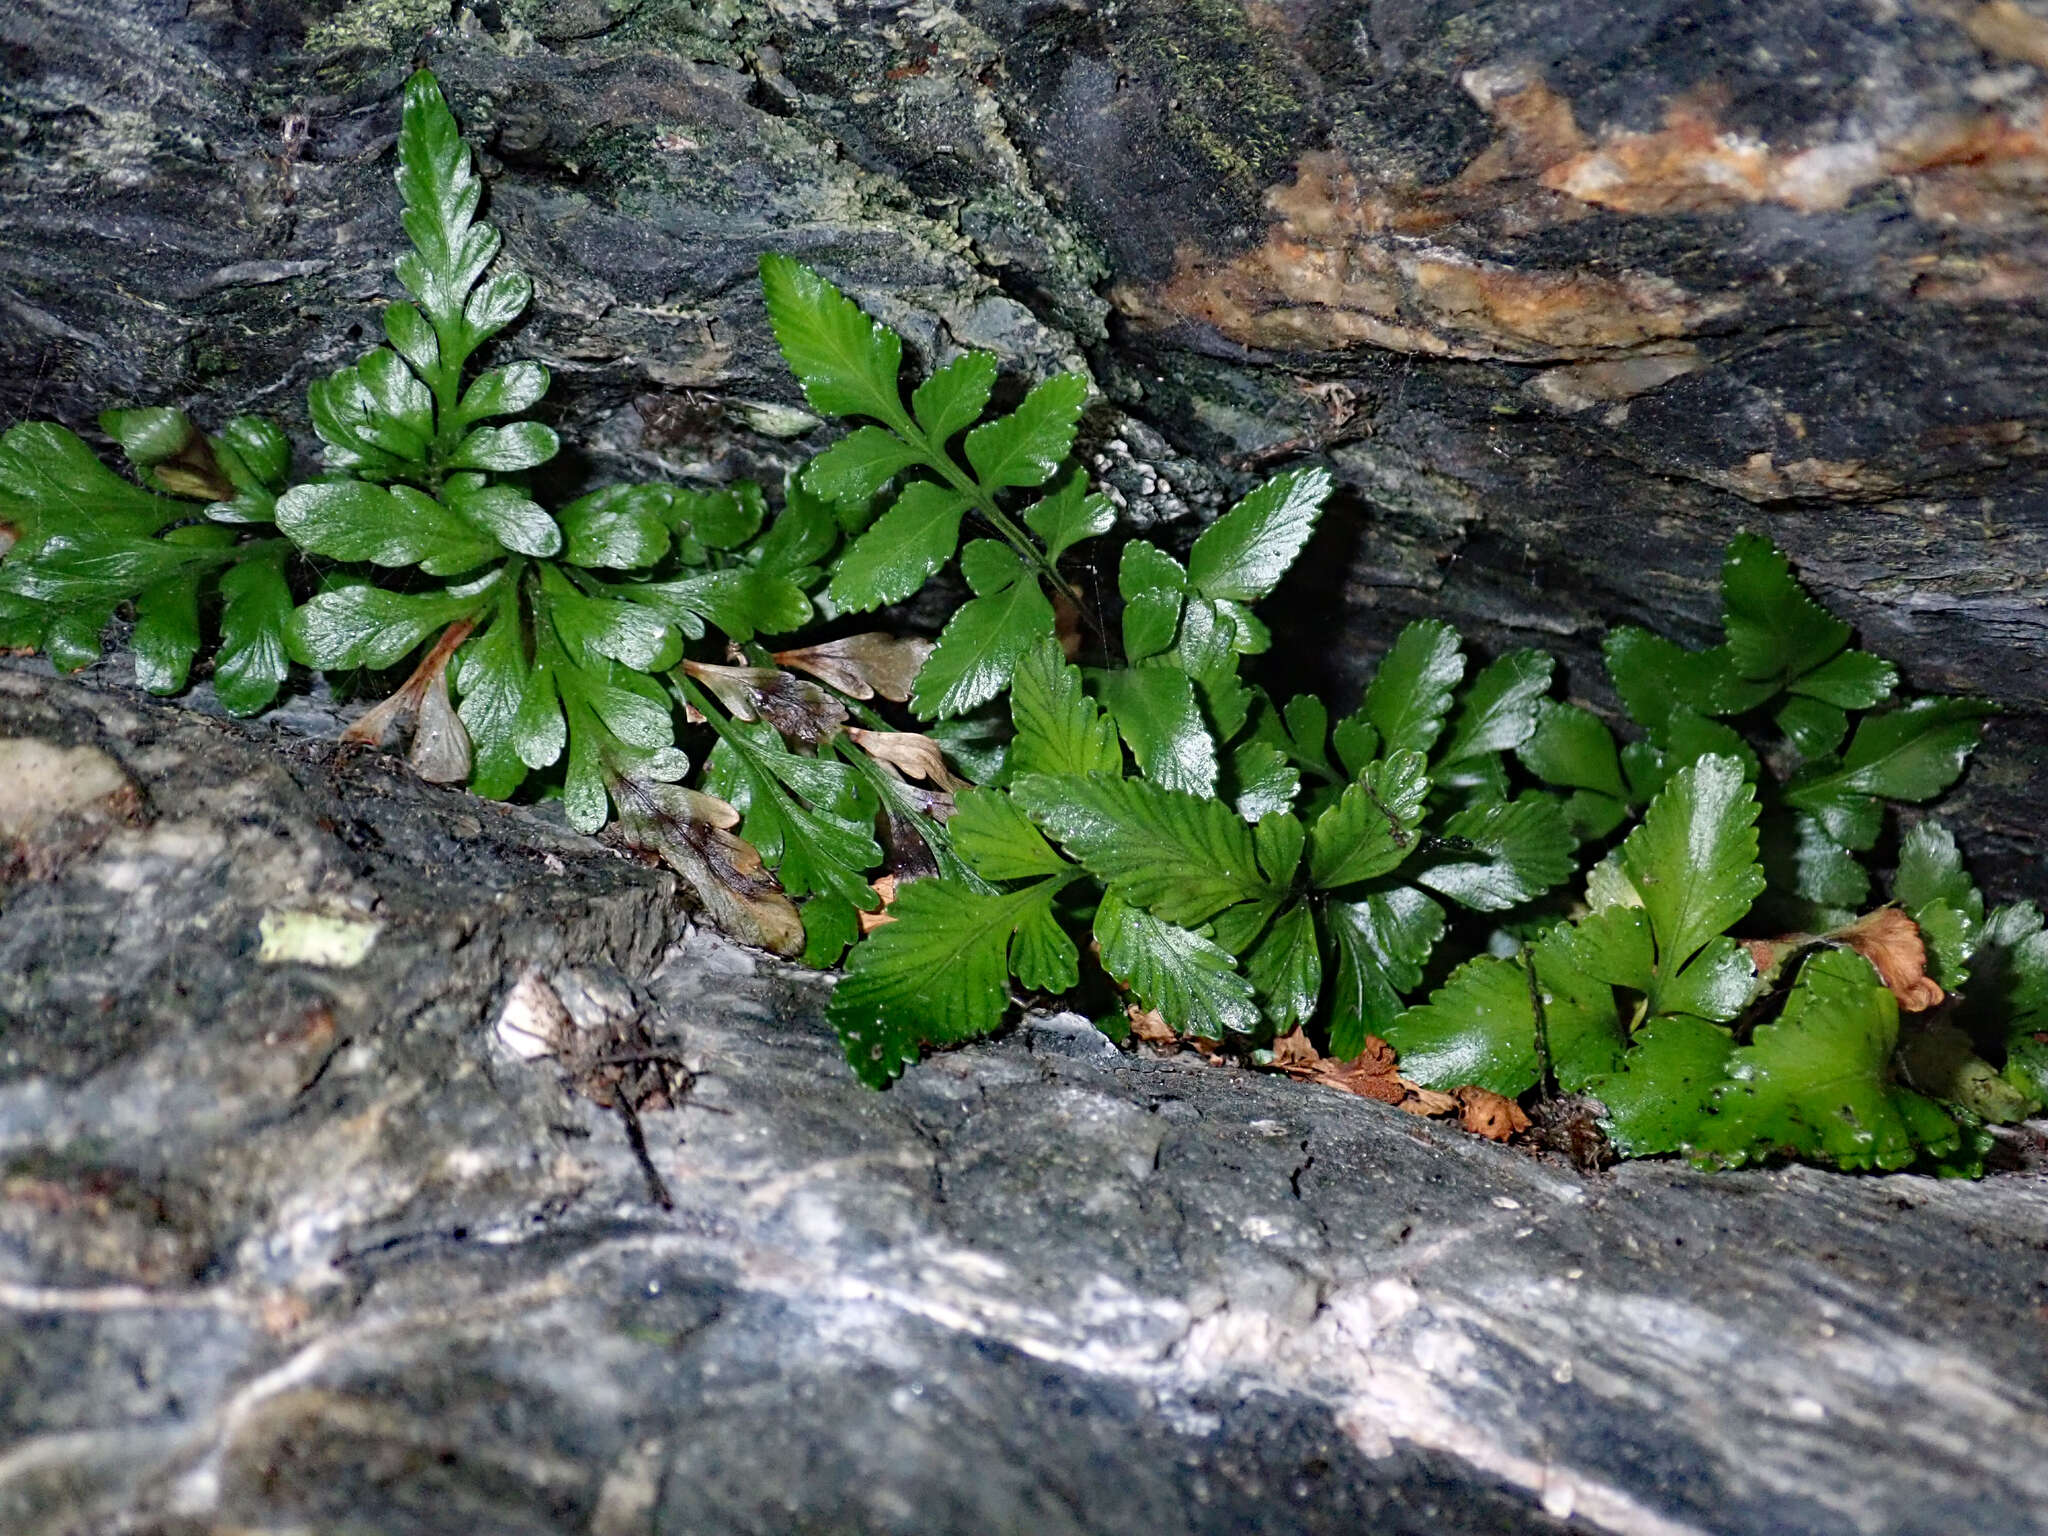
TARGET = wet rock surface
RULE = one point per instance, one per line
(299, 1229)
(1565, 294)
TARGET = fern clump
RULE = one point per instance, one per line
(191, 539)
(1465, 885)
(1678, 925)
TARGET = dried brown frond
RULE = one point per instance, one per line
(863, 665)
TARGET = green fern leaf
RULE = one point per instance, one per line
(1512, 852)
(1157, 714)
(1285, 967)
(1910, 753)
(939, 973)
(1410, 693)
(1194, 984)
(1027, 447)
(857, 466)
(979, 648)
(362, 626)
(396, 526)
(1478, 1028)
(1693, 860)
(1059, 728)
(953, 399)
(1818, 1083)
(802, 813)
(1151, 583)
(1245, 552)
(1659, 1094)
(1381, 942)
(256, 605)
(901, 550)
(1372, 829)
(998, 839)
(1070, 515)
(1181, 857)
(1499, 711)
(846, 363)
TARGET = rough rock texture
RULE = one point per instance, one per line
(298, 1232)
(293, 1238)
(1565, 292)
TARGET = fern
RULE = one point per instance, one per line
(566, 634)
(1674, 919)
(848, 366)
(1247, 869)
(185, 547)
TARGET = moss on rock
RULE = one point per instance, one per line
(381, 25)
(1230, 99)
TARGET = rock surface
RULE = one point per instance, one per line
(299, 1230)
(1565, 293)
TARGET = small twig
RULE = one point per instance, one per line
(640, 1058)
(657, 1191)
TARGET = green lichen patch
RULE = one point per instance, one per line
(1229, 96)
(385, 26)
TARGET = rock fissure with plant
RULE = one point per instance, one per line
(1464, 896)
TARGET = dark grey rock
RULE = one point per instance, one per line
(287, 1245)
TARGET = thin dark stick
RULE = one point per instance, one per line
(640, 1058)
(657, 1191)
